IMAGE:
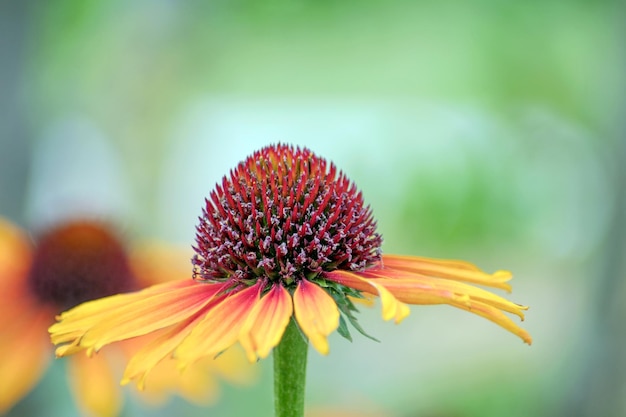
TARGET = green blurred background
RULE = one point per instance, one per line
(491, 131)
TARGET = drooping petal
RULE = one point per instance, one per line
(85, 315)
(413, 288)
(495, 315)
(24, 353)
(94, 386)
(96, 323)
(196, 384)
(488, 307)
(220, 328)
(419, 289)
(450, 269)
(232, 366)
(266, 323)
(391, 307)
(317, 314)
(145, 359)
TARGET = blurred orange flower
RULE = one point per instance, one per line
(70, 264)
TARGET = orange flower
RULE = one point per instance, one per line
(70, 264)
(283, 236)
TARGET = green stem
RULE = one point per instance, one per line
(290, 373)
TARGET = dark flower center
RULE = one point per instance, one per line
(78, 262)
(283, 214)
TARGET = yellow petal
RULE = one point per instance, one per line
(391, 307)
(496, 316)
(96, 323)
(266, 323)
(416, 288)
(219, 329)
(317, 314)
(450, 269)
(74, 322)
(196, 384)
(233, 367)
(94, 386)
(162, 347)
(482, 306)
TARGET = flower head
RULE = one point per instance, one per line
(78, 262)
(282, 216)
(284, 235)
(68, 264)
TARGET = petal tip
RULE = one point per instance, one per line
(502, 275)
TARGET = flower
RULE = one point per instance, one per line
(284, 235)
(72, 263)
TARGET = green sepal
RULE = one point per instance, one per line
(340, 294)
(343, 329)
(347, 312)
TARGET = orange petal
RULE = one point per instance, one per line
(451, 269)
(15, 257)
(430, 291)
(391, 307)
(83, 315)
(25, 352)
(96, 323)
(220, 327)
(496, 316)
(266, 323)
(233, 367)
(94, 386)
(196, 384)
(317, 314)
(162, 347)
(482, 307)
(416, 289)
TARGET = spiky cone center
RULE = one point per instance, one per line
(283, 215)
(77, 262)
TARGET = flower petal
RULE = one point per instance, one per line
(266, 323)
(24, 350)
(96, 323)
(198, 383)
(417, 289)
(317, 314)
(495, 315)
(94, 386)
(450, 269)
(219, 329)
(160, 348)
(15, 256)
(391, 307)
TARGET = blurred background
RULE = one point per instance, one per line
(490, 131)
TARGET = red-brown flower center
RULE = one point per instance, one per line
(78, 262)
(284, 214)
